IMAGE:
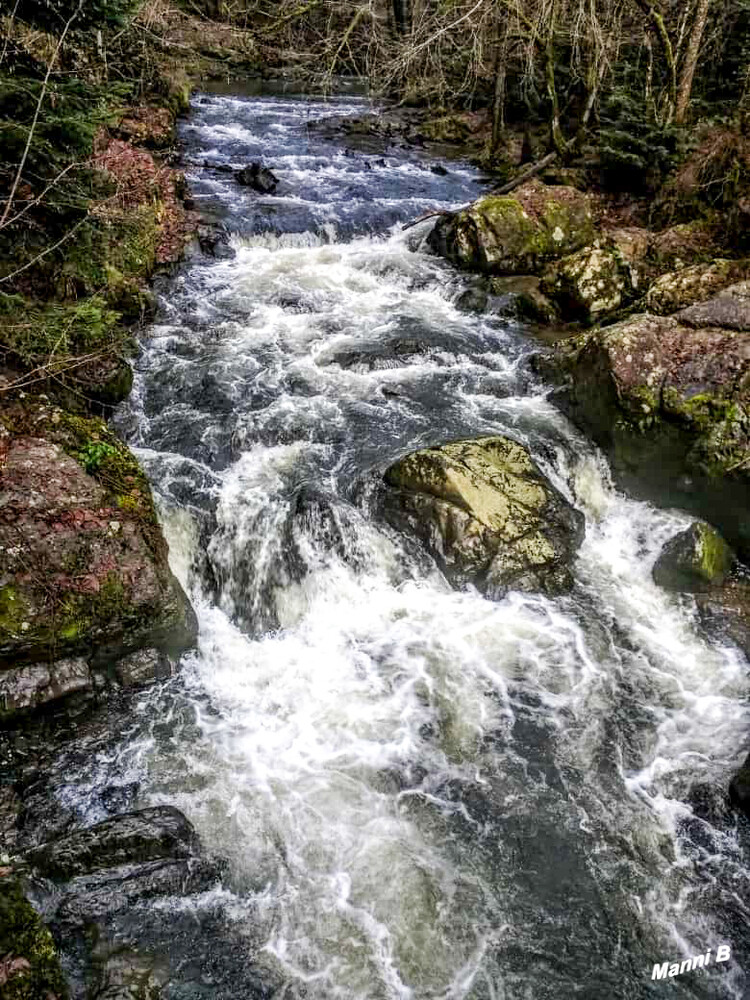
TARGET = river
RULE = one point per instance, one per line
(421, 794)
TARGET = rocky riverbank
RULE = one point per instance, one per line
(89, 608)
(651, 360)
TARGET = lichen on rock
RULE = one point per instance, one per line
(591, 283)
(85, 578)
(488, 514)
(677, 290)
(517, 233)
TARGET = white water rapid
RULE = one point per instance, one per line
(421, 794)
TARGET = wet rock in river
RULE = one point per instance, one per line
(694, 559)
(158, 833)
(487, 514)
(669, 400)
(214, 242)
(29, 686)
(519, 233)
(95, 898)
(739, 788)
(258, 177)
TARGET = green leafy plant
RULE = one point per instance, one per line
(94, 454)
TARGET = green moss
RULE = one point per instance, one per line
(90, 441)
(13, 610)
(714, 555)
(37, 332)
(24, 936)
(133, 241)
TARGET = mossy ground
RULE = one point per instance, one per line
(27, 945)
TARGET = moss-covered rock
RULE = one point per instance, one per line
(518, 233)
(29, 964)
(679, 289)
(591, 283)
(670, 402)
(693, 560)
(487, 514)
(84, 563)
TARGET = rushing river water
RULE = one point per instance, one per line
(420, 793)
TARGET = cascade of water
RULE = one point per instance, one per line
(421, 793)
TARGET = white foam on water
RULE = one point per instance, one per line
(328, 745)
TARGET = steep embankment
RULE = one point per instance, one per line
(93, 205)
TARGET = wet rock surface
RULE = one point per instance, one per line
(515, 234)
(152, 834)
(739, 788)
(487, 514)
(257, 177)
(668, 400)
(695, 559)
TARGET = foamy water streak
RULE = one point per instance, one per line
(421, 793)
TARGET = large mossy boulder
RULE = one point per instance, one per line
(487, 514)
(591, 283)
(84, 577)
(677, 290)
(693, 560)
(519, 233)
(669, 400)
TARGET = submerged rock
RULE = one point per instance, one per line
(258, 177)
(85, 579)
(487, 514)
(214, 242)
(517, 233)
(693, 560)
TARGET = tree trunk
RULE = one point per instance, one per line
(690, 62)
(402, 15)
(498, 100)
(659, 28)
